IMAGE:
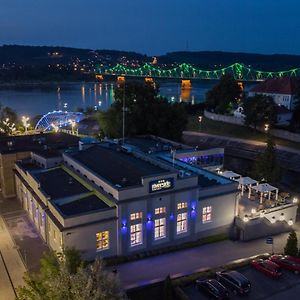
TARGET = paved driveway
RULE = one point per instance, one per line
(192, 260)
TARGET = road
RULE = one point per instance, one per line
(245, 141)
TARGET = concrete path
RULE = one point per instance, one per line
(154, 269)
(12, 267)
(245, 141)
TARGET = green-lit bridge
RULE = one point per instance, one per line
(186, 71)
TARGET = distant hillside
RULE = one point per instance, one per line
(44, 55)
(35, 55)
(209, 59)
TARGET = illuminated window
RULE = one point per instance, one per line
(102, 240)
(181, 223)
(181, 205)
(160, 210)
(136, 236)
(206, 214)
(160, 229)
(136, 216)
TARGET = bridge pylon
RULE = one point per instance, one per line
(186, 84)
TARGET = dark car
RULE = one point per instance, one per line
(213, 289)
(235, 281)
(287, 262)
(267, 267)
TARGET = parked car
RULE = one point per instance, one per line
(235, 281)
(287, 262)
(213, 289)
(267, 267)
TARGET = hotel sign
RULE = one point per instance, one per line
(161, 185)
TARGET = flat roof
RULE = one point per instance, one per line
(57, 183)
(116, 166)
(80, 206)
(35, 142)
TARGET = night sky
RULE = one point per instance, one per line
(154, 27)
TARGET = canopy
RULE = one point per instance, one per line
(265, 188)
(230, 174)
(247, 181)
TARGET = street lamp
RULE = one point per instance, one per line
(267, 127)
(25, 123)
(200, 118)
(73, 124)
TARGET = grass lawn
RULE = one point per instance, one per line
(231, 130)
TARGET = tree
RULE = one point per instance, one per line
(291, 247)
(66, 276)
(145, 113)
(259, 110)
(168, 289)
(266, 165)
(223, 96)
(296, 110)
(8, 120)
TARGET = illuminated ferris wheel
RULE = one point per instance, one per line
(58, 119)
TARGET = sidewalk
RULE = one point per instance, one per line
(154, 269)
(12, 268)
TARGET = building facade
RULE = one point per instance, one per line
(282, 90)
(113, 200)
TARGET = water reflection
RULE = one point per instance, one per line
(36, 100)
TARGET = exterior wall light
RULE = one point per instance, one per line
(290, 222)
(295, 200)
(273, 220)
(281, 217)
(253, 211)
(246, 219)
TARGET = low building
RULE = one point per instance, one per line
(283, 90)
(14, 148)
(109, 199)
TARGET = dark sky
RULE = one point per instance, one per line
(154, 27)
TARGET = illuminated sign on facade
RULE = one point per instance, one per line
(161, 185)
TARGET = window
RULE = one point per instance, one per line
(136, 237)
(160, 210)
(160, 228)
(181, 205)
(102, 240)
(136, 216)
(181, 223)
(206, 214)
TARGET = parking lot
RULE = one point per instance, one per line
(263, 287)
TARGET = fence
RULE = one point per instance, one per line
(279, 133)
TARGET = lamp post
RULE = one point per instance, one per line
(200, 118)
(267, 128)
(25, 123)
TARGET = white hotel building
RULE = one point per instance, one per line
(112, 200)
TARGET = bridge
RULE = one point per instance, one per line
(239, 71)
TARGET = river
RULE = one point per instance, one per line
(38, 99)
